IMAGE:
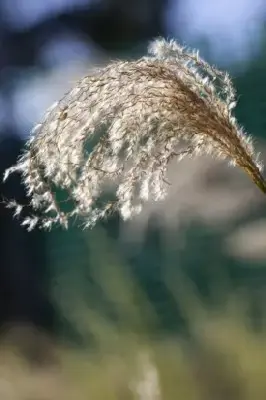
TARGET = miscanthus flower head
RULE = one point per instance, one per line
(123, 124)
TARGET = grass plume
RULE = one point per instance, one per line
(168, 105)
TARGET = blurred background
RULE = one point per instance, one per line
(206, 242)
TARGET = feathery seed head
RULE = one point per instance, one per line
(123, 124)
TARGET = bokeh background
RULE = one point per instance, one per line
(209, 233)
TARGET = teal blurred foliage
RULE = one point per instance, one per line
(201, 259)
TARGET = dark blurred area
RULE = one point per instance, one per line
(44, 46)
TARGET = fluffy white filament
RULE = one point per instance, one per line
(122, 125)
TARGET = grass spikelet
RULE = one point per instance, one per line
(137, 116)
